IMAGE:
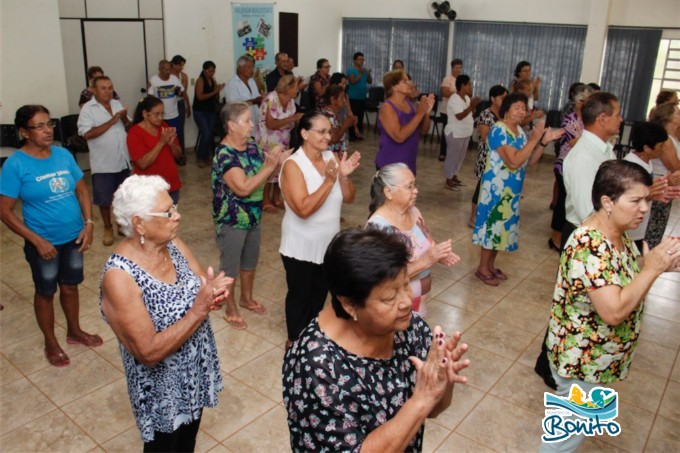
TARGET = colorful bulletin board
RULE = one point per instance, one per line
(253, 28)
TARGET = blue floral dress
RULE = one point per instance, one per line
(175, 391)
(335, 399)
(497, 220)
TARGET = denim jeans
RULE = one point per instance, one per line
(205, 122)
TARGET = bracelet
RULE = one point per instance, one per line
(89, 221)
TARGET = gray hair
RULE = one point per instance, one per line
(136, 196)
(242, 60)
(388, 176)
(232, 111)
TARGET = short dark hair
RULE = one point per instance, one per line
(208, 64)
(597, 103)
(510, 99)
(647, 134)
(497, 90)
(357, 55)
(614, 177)
(521, 65)
(336, 78)
(456, 61)
(594, 86)
(92, 70)
(178, 59)
(320, 62)
(145, 105)
(333, 91)
(461, 80)
(359, 259)
(26, 113)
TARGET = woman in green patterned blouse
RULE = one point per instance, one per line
(602, 280)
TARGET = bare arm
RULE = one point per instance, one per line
(125, 311)
(295, 192)
(446, 91)
(243, 185)
(390, 122)
(14, 223)
(85, 202)
(276, 124)
(669, 157)
(614, 304)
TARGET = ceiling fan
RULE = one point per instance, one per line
(441, 11)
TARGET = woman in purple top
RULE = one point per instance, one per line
(401, 123)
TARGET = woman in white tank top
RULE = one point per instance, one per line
(314, 185)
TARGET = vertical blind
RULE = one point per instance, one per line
(420, 44)
(628, 68)
(490, 51)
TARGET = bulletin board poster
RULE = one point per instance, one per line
(253, 25)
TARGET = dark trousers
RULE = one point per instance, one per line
(442, 142)
(359, 109)
(306, 295)
(559, 216)
(183, 439)
(205, 122)
(542, 366)
(182, 108)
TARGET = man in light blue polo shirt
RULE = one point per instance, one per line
(358, 78)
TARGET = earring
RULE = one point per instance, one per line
(608, 213)
(141, 239)
(355, 317)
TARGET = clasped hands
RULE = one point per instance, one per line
(213, 292)
(441, 368)
(442, 253)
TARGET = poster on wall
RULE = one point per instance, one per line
(252, 26)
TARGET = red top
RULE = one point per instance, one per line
(140, 142)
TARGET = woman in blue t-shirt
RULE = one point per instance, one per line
(57, 224)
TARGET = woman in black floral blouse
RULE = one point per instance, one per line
(363, 375)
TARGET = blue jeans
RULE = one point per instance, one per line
(205, 122)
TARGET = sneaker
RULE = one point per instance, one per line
(458, 182)
(108, 236)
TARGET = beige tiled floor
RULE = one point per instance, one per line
(85, 406)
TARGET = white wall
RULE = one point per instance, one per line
(32, 69)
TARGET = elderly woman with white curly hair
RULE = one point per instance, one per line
(157, 297)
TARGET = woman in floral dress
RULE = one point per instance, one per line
(497, 219)
(597, 306)
(277, 119)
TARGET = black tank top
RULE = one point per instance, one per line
(209, 104)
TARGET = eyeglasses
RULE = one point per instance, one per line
(410, 187)
(327, 66)
(167, 214)
(322, 131)
(51, 124)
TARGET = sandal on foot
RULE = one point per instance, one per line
(500, 274)
(279, 204)
(255, 307)
(487, 279)
(269, 208)
(235, 322)
(57, 359)
(91, 341)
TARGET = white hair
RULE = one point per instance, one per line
(137, 196)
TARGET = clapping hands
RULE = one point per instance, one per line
(213, 292)
(347, 165)
(441, 368)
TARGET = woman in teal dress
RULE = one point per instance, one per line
(497, 220)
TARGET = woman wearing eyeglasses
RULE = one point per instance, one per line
(156, 297)
(393, 205)
(153, 144)
(319, 82)
(56, 224)
(314, 184)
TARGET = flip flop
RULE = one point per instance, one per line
(500, 274)
(256, 307)
(279, 204)
(91, 341)
(235, 322)
(57, 359)
(487, 279)
(269, 208)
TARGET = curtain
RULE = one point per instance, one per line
(420, 44)
(490, 51)
(628, 69)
